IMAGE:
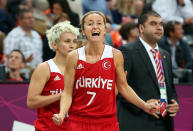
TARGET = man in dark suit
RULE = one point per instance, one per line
(176, 46)
(142, 77)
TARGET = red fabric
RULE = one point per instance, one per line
(81, 125)
(44, 122)
(94, 91)
(11, 79)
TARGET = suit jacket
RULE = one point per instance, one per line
(183, 55)
(142, 78)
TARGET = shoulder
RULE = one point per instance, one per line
(116, 53)
(164, 52)
(118, 56)
(183, 43)
(72, 57)
(42, 69)
(128, 46)
(17, 31)
(35, 34)
(163, 41)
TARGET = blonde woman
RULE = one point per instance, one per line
(47, 82)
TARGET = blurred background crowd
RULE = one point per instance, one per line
(23, 23)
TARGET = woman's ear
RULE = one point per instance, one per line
(54, 45)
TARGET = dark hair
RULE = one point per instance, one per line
(62, 15)
(64, 4)
(126, 28)
(169, 27)
(16, 50)
(143, 18)
(74, 18)
(22, 11)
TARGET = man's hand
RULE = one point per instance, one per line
(173, 108)
(181, 2)
(30, 58)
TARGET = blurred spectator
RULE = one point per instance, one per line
(16, 62)
(62, 6)
(170, 11)
(13, 7)
(2, 58)
(176, 46)
(26, 4)
(176, 10)
(6, 21)
(76, 6)
(108, 38)
(42, 21)
(139, 6)
(60, 18)
(96, 5)
(116, 15)
(116, 37)
(126, 7)
(129, 32)
(25, 39)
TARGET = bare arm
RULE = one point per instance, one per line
(124, 89)
(38, 80)
(69, 78)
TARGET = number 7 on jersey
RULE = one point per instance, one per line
(92, 98)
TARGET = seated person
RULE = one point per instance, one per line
(177, 47)
(129, 32)
(16, 62)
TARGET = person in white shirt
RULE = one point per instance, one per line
(176, 10)
(25, 39)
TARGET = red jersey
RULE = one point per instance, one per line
(53, 86)
(94, 90)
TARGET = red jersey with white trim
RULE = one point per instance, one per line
(94, 89)
(53, 86)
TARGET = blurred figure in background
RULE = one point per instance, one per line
(16, 62)
(129, 32)
(181, 11)
(2, 57)
(6, 21)
(62, 6)
(138, 6)
(76, 6)
(25, 39)
(176, 46)
(116, 15)
(97, 5)
(126, 8)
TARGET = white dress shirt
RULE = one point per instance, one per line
(148, 48)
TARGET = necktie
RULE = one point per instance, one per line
(160, 79)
